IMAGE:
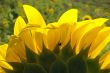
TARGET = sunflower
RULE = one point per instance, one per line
(64, 46)
(87, 17)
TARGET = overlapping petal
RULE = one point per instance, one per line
(66, 22)
(102, 39)
(33, 38)
(79, 35)
(16, 50)
(105, 62)
(51, 36)
(3, 63)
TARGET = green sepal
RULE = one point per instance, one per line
(93, 66)
(59, 67)
(31, 56)
(84, 52)
(17, 67)
(77, 64)
(33, 68)
(66, 52)
(56, 49)
(46, 58)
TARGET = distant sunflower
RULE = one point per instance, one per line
(87, 17)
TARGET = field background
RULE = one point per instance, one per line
(51, 11)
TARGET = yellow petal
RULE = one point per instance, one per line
(26, 36)
(106, 61)
(100, 42)
(51, 36)
(108, 66)
(19, 25)
(3, 50)
(79, 34)
(87, 39)
(16, 50)
(1, 70)
(38, 41)
(102, 57)
(69, 16)
(65, 33)
(34, 17)
(5, 65)
(100, 21)
(32, 36)
(75, 29)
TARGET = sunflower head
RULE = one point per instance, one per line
(65, 46)
(87, 17)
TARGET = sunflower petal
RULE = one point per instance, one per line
(86, 40)
(38, 40)
(19, 25)
(32, 37)
(105, 61)
(77, 27)
(79, 34)
(3, 50)
(16, 50)
(69, 16)
(65, 32)
(102, 39)
(5, 65)
(1, 70)
(50, 38)
(33, 15)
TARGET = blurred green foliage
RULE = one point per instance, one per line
(50, 9)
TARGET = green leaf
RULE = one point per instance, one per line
(33, 68)
(56, 49)
(93, 66)
(59, 67)
(77, 64)
(32, 57)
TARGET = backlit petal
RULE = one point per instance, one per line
(3, 50)
(102, 39)
(19, 25)
(51, 36)
(106, 61)
(16, 50)
(65, 33)
(69, 16)
(76, 29)
(32, 36)
(87, 39)
(79, 34)
(5, 65)
(33, 15)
